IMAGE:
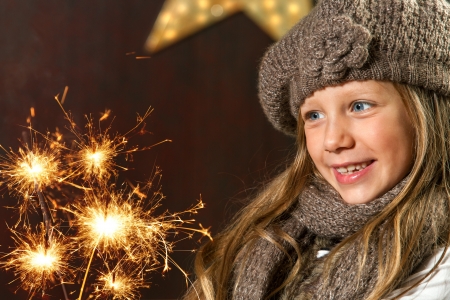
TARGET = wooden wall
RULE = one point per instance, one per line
(202, 89)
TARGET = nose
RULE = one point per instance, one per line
(337, 136)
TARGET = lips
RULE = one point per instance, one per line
(349, 173)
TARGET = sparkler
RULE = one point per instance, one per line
(29, 169)
(94, 159)
(104, 220)
(123, 282)
(121, 224)
(121, 287)
(36, 262)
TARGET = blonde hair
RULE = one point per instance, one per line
(405, 217)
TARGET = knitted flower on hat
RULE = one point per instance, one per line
(338, 44)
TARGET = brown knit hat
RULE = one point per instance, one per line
(405, 41)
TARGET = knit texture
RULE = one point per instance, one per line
(321, 219)
(404, 41)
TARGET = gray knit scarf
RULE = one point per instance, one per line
(320, 220)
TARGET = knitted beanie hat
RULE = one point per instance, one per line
(404, 41)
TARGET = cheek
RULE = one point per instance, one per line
(314, 145)
(392, 141)
(403, 147)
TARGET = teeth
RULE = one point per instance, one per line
(352, 168)
(342, 170)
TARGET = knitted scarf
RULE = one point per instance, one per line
(321, 220)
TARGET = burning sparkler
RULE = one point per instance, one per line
(93, 158)
(23, 170)
(36, 262)
(123, 282)
(105, 220)
(121, 224)
(29, 171)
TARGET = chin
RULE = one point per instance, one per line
(357, 198)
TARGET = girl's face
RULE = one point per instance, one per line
(359, 137)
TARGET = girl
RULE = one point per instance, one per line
(363, 212)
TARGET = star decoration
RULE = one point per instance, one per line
(181, 18)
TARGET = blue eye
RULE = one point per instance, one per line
(313, 116)
(361, 106)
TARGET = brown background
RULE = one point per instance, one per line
(203, 90)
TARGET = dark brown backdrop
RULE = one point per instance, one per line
(203, 90)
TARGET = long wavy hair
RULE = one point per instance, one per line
(405, 217)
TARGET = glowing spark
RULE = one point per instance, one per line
(109, 227)
(96, 149)
(23, 170)
(121, 283)
(95, 159)
(57, 135)
(105, 115)
(34, 168)
(116, 285)
(36, 263)
(41, 259)
(122, 225)
(63, 99)
(103, 222)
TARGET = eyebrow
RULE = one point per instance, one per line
(357, 93)
(304, 106)
(365, 92)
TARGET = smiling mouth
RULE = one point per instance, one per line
(353, 168)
